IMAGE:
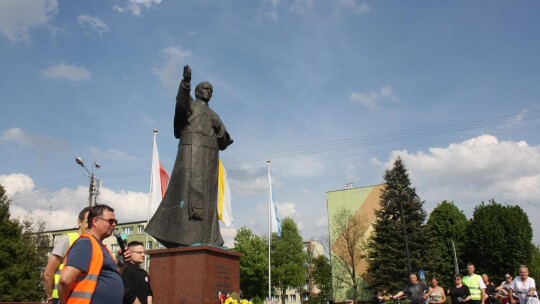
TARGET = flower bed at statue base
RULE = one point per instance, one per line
(234, 298)
(230, 300)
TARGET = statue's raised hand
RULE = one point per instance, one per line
(187, 73)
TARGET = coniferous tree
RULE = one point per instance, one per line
(387, 257)
(448, 224)
(21, 261)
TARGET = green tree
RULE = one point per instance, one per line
(534, 265)
(322, 276)
(447, 224)
(254, 263)
(288, 259)
(348, 249)
(387, 256)
(21, 261)
(499, 239)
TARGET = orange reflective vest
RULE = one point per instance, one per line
(86, 283)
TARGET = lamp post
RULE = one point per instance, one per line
(92, 198)
(405, 191)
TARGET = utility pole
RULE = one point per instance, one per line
(93, 193)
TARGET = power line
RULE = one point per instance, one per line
(233, 163)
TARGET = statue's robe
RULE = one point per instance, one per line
(187, 214)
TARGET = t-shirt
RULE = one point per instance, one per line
(109, 288)
(415, 292)
(137, 284)
(522, 288)
(459, 294)
(61, 246)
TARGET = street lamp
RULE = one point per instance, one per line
(407, 192)
(92, 198)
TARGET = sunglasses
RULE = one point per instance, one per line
(110, 221)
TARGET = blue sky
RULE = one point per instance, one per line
(330, 91)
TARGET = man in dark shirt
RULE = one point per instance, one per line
(137, 288)
(415, 290)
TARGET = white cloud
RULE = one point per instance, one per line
(228, 235)
(61, 207)
(111, 154)
(476, 170)
(374, 161)
(62, 71)
(302, 7)
(37, 141)
(322, 222)
(272, 14)
(284, 210)
(287, 210)
(358, 8)
(94, 23)
(16, 183)
(249, 185)
(135, 6)
(372, 99)
(170, 72)
(18, 16)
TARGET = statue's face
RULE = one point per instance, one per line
(204, 91)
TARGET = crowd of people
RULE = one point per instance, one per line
(471, 289)
(81, 269)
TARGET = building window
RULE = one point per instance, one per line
(140, 229)
(114, 248)
(127, 230)
(293, 298)
(286, 298)
(149, 245)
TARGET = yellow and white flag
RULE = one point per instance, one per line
(224, 197)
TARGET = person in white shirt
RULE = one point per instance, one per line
(524, 286)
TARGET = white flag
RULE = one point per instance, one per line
(274, 217)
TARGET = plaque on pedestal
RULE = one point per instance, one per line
(193, 275)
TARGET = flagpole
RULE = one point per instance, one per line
(269, 231)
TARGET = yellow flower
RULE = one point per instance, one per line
(230, 300)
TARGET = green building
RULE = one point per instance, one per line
(362, 203)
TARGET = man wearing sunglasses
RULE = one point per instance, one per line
(90, 274)
(136, 280)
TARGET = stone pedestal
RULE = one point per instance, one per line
(193, 275)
